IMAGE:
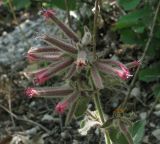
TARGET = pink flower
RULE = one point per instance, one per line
(31, 92)
(47, 13)
(123, 74)
(61, 107)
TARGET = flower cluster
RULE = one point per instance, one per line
(73, 56)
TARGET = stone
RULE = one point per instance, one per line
(156, 133)
(135, 92)
(143, 115)
(157, 107)
(152, 125)
(47, 117)
(157, 113)
(65, 135)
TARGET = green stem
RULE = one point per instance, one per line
(95, 27)
(68, 13)
(101, 116)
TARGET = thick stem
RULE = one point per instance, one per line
(101, 116)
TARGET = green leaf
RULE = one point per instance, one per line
(82, 106)
(150, 74)
(129, 4)
(20, 4)
(124, 129)
(137, 131)
(156, 90)
(117, 137)
(129, 37)
(61, 4)
(133, 18)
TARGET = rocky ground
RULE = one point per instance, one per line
(33, 120)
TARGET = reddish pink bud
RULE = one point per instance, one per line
(47, 13)
(31, 92)
(61, 107)
(51, 71)
(31, 57)
(51, 14)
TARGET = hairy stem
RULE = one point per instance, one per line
(143, 55)
(101, 116)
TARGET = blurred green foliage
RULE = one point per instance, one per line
(134, 28)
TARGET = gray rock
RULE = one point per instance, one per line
(75, 142)
(156, 133)
(65, 135)
(143, 115)
(157, 113)
(152, 124)
(135, 92)
(157, 107)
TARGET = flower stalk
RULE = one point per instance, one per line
(101, 116)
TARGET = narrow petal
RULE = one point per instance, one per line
(60, 44)
(51, 14)
(97, 80)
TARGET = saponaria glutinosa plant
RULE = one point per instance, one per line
(83, 69)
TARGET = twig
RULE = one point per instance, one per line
(17, 23)
(25, 119)
(152, 107)
(143, 55)
(68, 13)
(95, 27)
(10, 105)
